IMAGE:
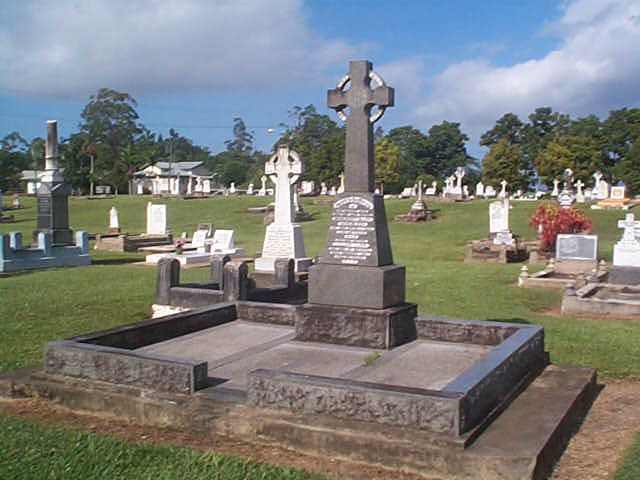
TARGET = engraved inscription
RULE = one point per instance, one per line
(352, 226)
(278, 242)
(44, 206)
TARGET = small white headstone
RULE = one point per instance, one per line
(618, 193)
(232, 187)
(479, 189)
(15, 203)
(223, 240)
(499, 216)
(555, 191)
(503, 192)
(489, 191)
(139, 189)
(323, 188)
(603, 190)
(332, 191)
(114, 224)
(250, 189)
(156, 219)
(206, 186)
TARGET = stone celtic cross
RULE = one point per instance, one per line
(629, 224)
(360, 99)
(283, 169)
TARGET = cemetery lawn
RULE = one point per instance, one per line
(39, 306)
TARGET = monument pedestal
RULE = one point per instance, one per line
(357, 286)
(360, 327)
(53, 213)
(283, 241)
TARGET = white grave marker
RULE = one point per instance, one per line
(156, 219)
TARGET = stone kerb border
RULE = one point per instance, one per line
(454, 410)
(109, 355)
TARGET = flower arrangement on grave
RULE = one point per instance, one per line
(179, 244)
(549, 220)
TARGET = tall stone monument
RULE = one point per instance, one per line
(355, 289)
(283, 238)
(52, 197)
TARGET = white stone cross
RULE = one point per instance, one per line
(503, 192)
(459, 174)
(579, 184)
(283, 169)
(629, 224)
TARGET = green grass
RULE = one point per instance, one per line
(39, 306)
(36, 451)
(629, 468)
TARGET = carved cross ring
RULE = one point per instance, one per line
(372, 76)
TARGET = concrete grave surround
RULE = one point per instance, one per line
(283, 238)
(156, 219)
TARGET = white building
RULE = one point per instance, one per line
(177, 178)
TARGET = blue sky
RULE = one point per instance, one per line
(194, 65)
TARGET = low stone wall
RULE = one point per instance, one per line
(119, 366)
(277, 314)
(147, 332)
(129, 243)
(463, 331)
(587, 300)
(353, 400)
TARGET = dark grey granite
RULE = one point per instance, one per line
(358, 232)
(624, 275)
(355, 286)
(577, 247)
(349, 399)
(360, 98)
(146, 332)
(217, 269)
(360, 327)
(273, 313)
(463, 331)
(235, 281)
(167, 276)
(115, 365)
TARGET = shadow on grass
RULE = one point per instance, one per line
(508, 320)
(115, 261)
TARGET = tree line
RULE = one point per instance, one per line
(112, 143)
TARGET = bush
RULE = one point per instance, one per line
(550, 220)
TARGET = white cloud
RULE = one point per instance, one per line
(595, 68)
(67, 47)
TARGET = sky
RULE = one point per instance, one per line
(195, 65)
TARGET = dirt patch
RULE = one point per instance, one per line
(592, 454)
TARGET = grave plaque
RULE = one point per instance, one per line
(577, 247)
(617, 193)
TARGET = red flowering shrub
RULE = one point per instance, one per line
(550, 220)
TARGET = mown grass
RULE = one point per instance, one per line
(629, 468)
(39, 306)
(36, 451)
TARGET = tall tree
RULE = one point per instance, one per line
(503, 162)
(445, 148)
(413, 151)
(387, 157)
(111, 122)
(242, 139)
(508, 127)
(581, 154)
(14, 157)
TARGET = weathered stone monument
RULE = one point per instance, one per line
(357, 271)
(283, 238)
(418, 211)
(52, 198)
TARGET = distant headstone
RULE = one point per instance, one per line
(156, 219)
(626, 253)
(433, 189)
(406, 192)
(232, 188)
(223, 242)
(198, 240)
(15, 203)
(341, 187)
(114, 224)
(139, 189)
(618, 193)
(206, 187)
(479, 189)
(263, 189)
(579, 194)
(603, 190)
(555, 192)
(323, 188)
(332, 191)
(499, 216)
(576, 247)
(250, 189)
(459, 174)
(307, 187)
(283, 238)
(489, 191)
